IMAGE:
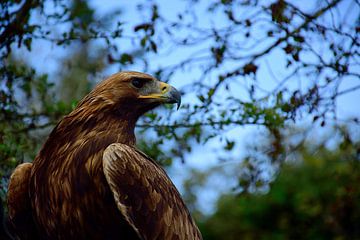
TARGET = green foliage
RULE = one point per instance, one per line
(28, 112)
(30, 103)
(315, 197)
(232, 57)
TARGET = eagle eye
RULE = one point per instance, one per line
(138, 82)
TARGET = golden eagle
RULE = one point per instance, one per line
(89, 181)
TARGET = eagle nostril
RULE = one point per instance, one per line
(164, 88)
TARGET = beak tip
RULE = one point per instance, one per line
(175, 97)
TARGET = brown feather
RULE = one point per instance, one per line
(146, 196)
(65, 190)
(18, 201)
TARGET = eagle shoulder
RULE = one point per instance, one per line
(18, 201)
(145, 195)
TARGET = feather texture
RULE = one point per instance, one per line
(19, 203)
(89, 182)
(146, 196)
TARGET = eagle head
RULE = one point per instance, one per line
(131, 94)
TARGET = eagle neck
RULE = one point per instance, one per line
(125, 131)
(122, 129)
(117, 128)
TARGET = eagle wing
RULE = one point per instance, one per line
(145, 195)
(18, 201)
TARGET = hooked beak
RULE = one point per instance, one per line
(165, 94)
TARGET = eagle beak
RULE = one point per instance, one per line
(173, 96)
(165, 94)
